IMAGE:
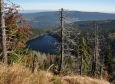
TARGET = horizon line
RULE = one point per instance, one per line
(34, 11)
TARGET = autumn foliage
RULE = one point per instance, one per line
(18, 29)
(17, 33)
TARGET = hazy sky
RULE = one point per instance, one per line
(79, 5)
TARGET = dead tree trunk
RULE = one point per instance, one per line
(81, 59)
(96, 51)
(81, 66)
(62, 40)
(33, 62)
(3, 31)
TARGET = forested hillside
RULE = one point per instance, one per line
(51, 19)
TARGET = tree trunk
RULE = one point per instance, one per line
(62, 40)
(96, 63)
(3, 31)
(81, 66)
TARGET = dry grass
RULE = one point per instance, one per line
(18, 74)
(82, 80)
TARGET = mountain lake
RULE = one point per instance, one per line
(45, 44)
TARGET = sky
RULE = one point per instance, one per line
(106, 6)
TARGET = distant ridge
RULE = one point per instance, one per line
(46, 19)
(35, 11)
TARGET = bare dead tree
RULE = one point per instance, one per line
(62, 40)
(96, 45)
(81, 66)
(3, 31)
(68, 40)
(95, 61)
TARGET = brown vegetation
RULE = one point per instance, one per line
(18, 74)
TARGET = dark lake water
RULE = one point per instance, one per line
(43, 44)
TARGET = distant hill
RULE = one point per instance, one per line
(103, 25)
(51, 19)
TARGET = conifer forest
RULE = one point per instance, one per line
(83, 52)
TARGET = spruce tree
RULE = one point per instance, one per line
(85, 57)
(108, 60)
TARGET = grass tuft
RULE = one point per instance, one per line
(17, 74)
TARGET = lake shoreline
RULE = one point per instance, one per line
(36, 37)
(56, 37)
(53, 35)
(45, 44)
